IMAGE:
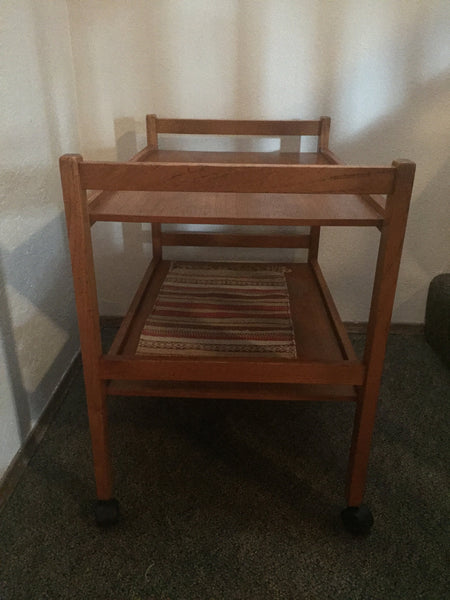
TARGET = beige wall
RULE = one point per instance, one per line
(38, 338)
(380, 69)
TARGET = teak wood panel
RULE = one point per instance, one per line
(242, 127)
(328, 302)
(249, 178)
(233, 208)
(234, 240)
(244, 370)
(231, 390)
(243, 158)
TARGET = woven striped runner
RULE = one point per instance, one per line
(215, 309)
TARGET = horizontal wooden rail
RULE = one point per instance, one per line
(262, 371)
(235, 240)
(376, 201)
(188, 177)
(219, 127)
(119, 340)
(100, 194)
(330, 156)
(338, 326)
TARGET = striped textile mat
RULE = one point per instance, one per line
(221, 310)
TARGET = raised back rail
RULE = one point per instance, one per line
(254, 128)
(298, 128)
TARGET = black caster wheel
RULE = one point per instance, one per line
(357, 519)
(106, 512)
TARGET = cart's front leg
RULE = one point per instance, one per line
(357, 517)
(107, 507)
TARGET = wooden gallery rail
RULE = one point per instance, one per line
(280, 189)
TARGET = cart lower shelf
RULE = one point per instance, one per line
(326, 367)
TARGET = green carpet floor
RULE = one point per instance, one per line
(240, 500)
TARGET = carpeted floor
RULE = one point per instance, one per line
(240, 500)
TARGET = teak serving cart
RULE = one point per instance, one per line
(238, 188)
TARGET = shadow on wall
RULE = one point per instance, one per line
(36, 320)
(17, 387)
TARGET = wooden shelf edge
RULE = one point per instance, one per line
(333, 313)
(165, 368)
(341, 367)
(121, 335)
(230, 391)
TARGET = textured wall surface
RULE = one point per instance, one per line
(379, 69)
(38, 336)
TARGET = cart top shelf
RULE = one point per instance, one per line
(199, 207)
(233, 208)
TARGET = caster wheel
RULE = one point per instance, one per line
(106, 512)
(357, 519)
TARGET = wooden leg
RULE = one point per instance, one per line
(107, 508)
(98, 423)
(78, 227)
(357, 517)
(360, 448)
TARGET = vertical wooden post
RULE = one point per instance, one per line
(314, 239)
(80, 244)
(152, 141)
(322, 144)
(152, 133)
(386, 274)
(324, 137)
(156, 241)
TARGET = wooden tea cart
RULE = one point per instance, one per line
(282, 189)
